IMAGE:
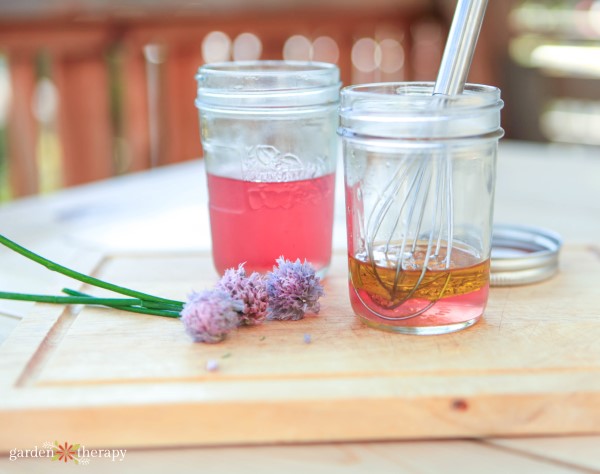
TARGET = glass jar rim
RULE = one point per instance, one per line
(416, 97)
(266, 68)
(424, 87)
(267, 84)
(410, 110)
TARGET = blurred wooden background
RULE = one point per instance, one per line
(98, 89)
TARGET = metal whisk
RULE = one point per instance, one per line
(420, 191)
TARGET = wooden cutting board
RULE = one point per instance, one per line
(114, 379)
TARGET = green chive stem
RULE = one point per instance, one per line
(133, 309)
(152, 312)
(69, 299)
(55, 267)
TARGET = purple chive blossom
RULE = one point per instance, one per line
(212, 365)
(307, 338)
(252, 291)
(209, 315)
(293, 289)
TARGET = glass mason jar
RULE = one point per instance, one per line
(420, 176)
(268, 131)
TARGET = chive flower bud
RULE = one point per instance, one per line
(209, 315)
(293, 290)
(250, 290)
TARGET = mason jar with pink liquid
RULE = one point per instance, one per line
(268, 131)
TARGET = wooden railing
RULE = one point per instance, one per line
(124, 87)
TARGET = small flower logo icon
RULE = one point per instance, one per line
(65, 452)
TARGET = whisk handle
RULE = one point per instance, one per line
(460, 47)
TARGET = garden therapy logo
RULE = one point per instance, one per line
(66, 452)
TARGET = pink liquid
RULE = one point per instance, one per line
(257, 223)
(453, 310)
(405, 300)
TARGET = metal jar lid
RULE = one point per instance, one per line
(523, 255)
